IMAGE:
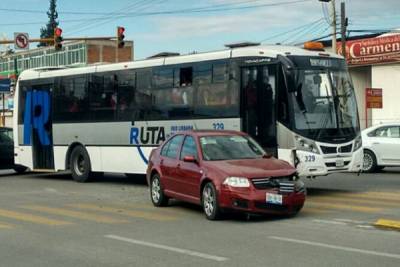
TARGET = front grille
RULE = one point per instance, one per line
(286, 187)
(346, 149)
(333, 164)
(283, 184)
(328, 149)
(265, 183)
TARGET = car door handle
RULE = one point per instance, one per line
(375, 143)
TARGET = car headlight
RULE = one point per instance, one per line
(357, 143)
(237, 182)
(306, 145)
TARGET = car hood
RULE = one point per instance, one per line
(253, 168)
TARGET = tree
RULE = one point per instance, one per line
(48, 30)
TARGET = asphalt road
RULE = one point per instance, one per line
(49, 220)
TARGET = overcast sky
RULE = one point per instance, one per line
(220, 22)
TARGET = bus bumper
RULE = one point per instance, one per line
(311, 164)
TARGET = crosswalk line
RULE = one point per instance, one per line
(353, 199)
(174, 210)
(75, 214)
(345, 207)
(368, 195)
(31, 218)
(384, 195)
(310, 210)
(6, 226)
(123, 211)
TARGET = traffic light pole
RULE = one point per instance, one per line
(51, 40)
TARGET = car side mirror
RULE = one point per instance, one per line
(189, 159)
(267, 155)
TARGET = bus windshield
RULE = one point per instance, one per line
(325, 104)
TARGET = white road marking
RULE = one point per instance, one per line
(169, 248)
(349, 249)
(328, 222)
(351, 221)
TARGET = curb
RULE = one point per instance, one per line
(389, 224)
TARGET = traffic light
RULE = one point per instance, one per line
(58, 39)
(120, 36)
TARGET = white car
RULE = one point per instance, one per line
(381, 145)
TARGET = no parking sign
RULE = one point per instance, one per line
(21, 40)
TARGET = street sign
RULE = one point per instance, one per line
(21, 40)
(373, 98)
(5, 85)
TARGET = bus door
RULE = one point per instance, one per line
(258, 84)
(38, 125)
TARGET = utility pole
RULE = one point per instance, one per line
(334, 27)
(333, 23)
(343, 24)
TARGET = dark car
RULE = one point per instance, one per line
(223, 170)
(7, 151)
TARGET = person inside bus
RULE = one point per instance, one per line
(204, 96)
(74, 106)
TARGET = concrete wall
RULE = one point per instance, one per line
(387, 77)
(361, 77)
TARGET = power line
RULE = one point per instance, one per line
(110, 17)
(219, 7)
(291, 30)
(107, 13)
(311, 38)
(171, 12)
(303, 32)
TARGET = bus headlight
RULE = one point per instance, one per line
(357, 143)
(306, 145)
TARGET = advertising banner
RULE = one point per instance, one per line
(373, 50)
(373, 98)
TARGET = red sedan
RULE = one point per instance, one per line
(223, 170)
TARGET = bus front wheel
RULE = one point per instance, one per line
(80, 164)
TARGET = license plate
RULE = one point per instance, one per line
(339, 163)
(274, 198)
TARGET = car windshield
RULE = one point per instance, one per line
(229, 147)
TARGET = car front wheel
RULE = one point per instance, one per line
(369, 162)
(156, 192)
(210, 202)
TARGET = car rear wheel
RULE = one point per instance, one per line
(369, 162)
(156, 192)
(210, 202)
(80, 165)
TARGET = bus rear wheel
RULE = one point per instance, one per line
(80, 165)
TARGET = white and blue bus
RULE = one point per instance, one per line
(298, 104)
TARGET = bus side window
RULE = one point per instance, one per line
(186, 76)
(71, 99)
(127, 106)
(144, 95)
(103, 96)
